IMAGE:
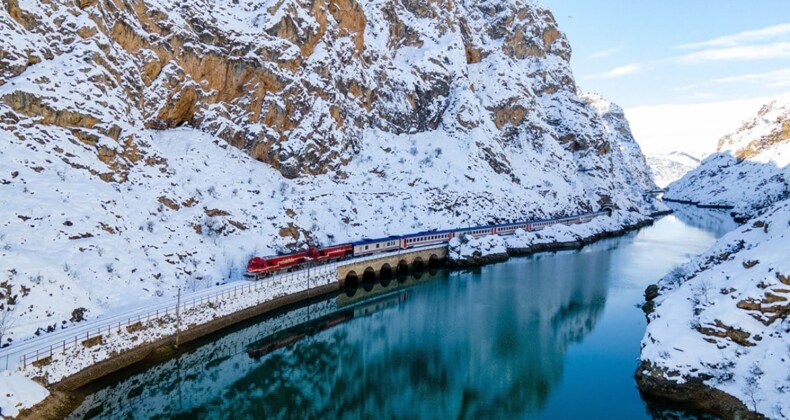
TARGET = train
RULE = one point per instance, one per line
(259, 267)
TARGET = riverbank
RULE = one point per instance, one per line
(717, 334)
(473, 252)
(66, 395)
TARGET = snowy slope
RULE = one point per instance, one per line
(670, 167)
(750, 168)
(160, 144)
(630, 153)
(723, 317)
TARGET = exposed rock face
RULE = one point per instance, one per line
(294, 83)
(749, 170)
(138, 122)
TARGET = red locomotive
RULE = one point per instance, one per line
(260, 267)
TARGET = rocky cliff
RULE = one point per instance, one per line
(151, 145)
(749, 170)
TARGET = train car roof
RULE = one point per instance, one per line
(475, 228)
(429, 232)
(373, 241)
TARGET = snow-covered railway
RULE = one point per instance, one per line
(259, 267)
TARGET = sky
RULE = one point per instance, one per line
(686, 71)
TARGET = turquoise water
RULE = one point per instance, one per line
(549, 336)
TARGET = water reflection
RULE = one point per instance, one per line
(498, 341)
(717, 221)
(488, 342)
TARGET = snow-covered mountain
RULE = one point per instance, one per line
(153, 145)
(749, 169)
(721, 322)
(630, 154)
(718, 326)
(670, 167)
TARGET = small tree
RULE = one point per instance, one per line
(752, 387)
(7, 319)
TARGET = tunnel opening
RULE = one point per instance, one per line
(434, 261)
(369, 276)
(403, 267)
(386, 271)
(352, 280)
(367, 286)
(385, 274)
(418, 264)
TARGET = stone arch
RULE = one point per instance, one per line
(418, 264)
(386, 271)
(351, 280)
(403, 267)
(369, 275)
(367, 286)
(434, 261)
(385, 280)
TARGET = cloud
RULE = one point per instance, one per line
(606, 53)
(618, 71)
(693, 128)
(781, 31)
(776, 78)
(748, 52)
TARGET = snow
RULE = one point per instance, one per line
(467, 247)
(750, 169)
(670, 167)
(718, 291)
(18, 392)
(69, 359)
(102, 223)
(723, 316)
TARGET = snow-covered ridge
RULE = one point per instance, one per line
(132, 136)
(749, 171)
(670, 167)
(723, 317)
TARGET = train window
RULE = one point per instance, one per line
(377, 246)
(366, 247)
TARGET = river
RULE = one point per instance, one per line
(553, 335)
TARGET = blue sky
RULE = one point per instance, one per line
(640, 52)
(686, 71)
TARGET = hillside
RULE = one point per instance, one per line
(721, 322)
(154, 145)
(749, 170)
(670, 167)
(717, 334)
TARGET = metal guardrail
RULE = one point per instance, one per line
(35, 350)
(38, 349)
